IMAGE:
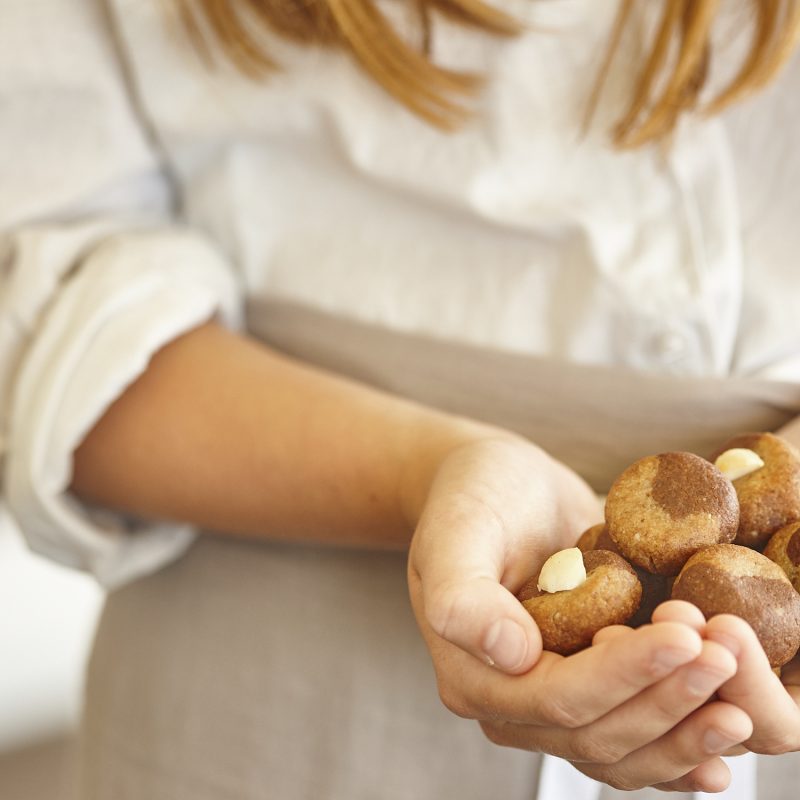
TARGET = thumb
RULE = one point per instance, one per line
(461, 549)
(482, 617)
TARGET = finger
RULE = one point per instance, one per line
(790, 673)
(790, 678)
(658, 709)
(680, 611)
(708, 732)
(757, 690)
(738, 750)
(713, 775)
(575, 691)
(643, 719)
(610, 632)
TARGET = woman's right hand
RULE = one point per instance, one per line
(629, 711)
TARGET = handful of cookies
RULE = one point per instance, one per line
(683, 527)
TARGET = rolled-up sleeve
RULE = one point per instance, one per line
(132, 294)
(96, 275)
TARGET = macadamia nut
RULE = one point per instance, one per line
(569, 619)
(563, 571)
(738, 462)
(769, 497)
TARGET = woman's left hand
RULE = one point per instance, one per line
(772, 703)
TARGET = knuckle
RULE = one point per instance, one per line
(691, 783)
(775, 746)
(493, 732)
(619, 780)
(454, 701)
(670, 707)
(484, 708)
(595, 750)
(445, 604)
(556, 711)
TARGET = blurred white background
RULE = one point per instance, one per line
(47, 619)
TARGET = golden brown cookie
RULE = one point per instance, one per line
(784, 549)
(664, 508)
(655, 588)
(590, 538)
(769, 498)
(568, 620)
(731, 579)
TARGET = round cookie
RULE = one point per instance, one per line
(731, 579)
(655, 588)
(769, 497)
(784, 549)
(568, 620)
(590, 539)
(664, 508)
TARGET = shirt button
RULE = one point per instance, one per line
(670, 346)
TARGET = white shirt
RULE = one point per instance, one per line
(141, 194)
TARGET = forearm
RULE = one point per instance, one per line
(223, 432)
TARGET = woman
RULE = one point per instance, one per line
(420, 295)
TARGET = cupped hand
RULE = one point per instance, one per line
(772, 703)
(629, 710)
(652, 728)
(497, 509)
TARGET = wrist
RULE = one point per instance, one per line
(434, 441)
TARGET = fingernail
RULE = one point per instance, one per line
(718, 742)
(701, 682)
(505, 644)
(728, 642)
(670, 658)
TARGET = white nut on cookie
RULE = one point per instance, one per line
(738, 462)
(564, 570)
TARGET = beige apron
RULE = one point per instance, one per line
(251, 671)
